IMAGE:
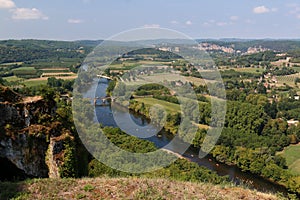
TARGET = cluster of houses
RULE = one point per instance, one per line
(215, 47)
(271, 80)
(253, 50)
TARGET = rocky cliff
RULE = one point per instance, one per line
(29, 138)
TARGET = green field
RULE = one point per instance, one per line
(12, 78)
(62, 63)
(292, 156)
(127, 65)
(171, 107)
(249, 70)
(24, 69)
(31, 83)
(297, 69)
(26, 72)
(28, 83)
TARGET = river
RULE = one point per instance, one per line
(104, 115)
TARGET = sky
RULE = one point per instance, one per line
(100, 19)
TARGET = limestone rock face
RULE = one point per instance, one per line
(36, 148)
(26, 153)
(10, 114)
(36, 155)
(54, 161)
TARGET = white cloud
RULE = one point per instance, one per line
(151, 26)
(261, 10)
(234, 18)
(174, 22)
(27, 14)
(188, 22)
(21, 13)
(75, 21)
(7, 4)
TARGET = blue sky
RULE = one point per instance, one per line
(99, 19)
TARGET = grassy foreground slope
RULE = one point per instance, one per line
(123, 188)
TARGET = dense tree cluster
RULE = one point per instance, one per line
(28, 50)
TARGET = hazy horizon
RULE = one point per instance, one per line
(204, 39)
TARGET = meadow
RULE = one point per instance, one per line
(34, 82)
(292, 156)
(13, 79)
(170, 107)
(250, 70)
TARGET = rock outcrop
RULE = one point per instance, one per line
(8, 95)
(26, 153)
(36, 148)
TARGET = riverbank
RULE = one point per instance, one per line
(222, 167)
(139, 115)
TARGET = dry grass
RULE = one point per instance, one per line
(131, 188)
(203, 126)
(58, 74)
(32, 99)
(54, 68)
(198, 81)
